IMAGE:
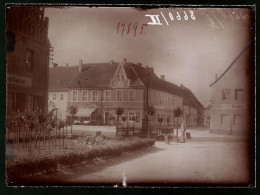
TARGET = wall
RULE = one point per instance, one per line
(230, 115)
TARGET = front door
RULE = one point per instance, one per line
(106, 117)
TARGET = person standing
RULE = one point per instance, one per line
(183, 130)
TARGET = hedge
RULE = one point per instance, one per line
(31, 166)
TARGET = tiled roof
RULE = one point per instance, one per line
(61, 77)
(99, 75)
(94, 76)
(189, 98)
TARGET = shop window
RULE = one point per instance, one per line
(131, 116)
(137, 118)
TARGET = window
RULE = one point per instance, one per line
(225, 94)
(85, 96)
(54, 96)
(61, 96)
(107, 96)
(119, 96)
(224, 119)
(137, 117)
(237, 119)
(122, 77)
(118, 77)
(131, 96)
(74, 96)
(95, 96)
(160, 99)
(131, 116)
(29, 60)
(238, 94)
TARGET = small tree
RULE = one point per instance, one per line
(177, 113)
(119, 112)
(72, 110)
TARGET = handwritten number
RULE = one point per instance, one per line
(192, 15)
(178, 16)
(185, 16)
(171, 16)
(118, 26)
(135, 28)
(123, 29)
(142, 28)
(129, 25)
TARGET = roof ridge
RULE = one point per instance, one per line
(232, 63)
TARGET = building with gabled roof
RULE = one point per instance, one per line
(98, 89)
(232, 96)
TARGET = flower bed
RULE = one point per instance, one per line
(86, 149)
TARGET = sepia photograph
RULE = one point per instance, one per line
(130, 96)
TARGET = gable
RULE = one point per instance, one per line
(120, 78)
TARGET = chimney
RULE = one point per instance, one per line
(124, 61)
(80, 65)
(111, 62)
(162, 77)
(67, 65)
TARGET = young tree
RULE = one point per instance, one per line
(72, 110)
(177, 113)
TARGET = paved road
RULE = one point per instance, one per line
(206, 158)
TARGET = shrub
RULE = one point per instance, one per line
(95, 147)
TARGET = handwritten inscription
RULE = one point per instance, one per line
(216, 19)
(155, 19)
(133, 28)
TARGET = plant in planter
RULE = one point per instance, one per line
(119, 112)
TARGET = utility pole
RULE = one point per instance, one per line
(145, 122)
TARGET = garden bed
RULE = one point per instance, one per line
(84, 149)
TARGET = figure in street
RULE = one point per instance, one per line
(182, 137)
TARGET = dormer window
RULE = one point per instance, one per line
(118, 78)
(122, 78)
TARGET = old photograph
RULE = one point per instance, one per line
(125, 96)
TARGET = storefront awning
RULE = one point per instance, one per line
(85, 112)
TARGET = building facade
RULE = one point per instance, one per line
(231, 110)
(27, 59)
(99, 90)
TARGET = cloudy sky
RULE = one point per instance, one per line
(187, 51)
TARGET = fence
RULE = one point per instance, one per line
(137, 131)
(37, 131)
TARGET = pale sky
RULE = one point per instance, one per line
(188, 52)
